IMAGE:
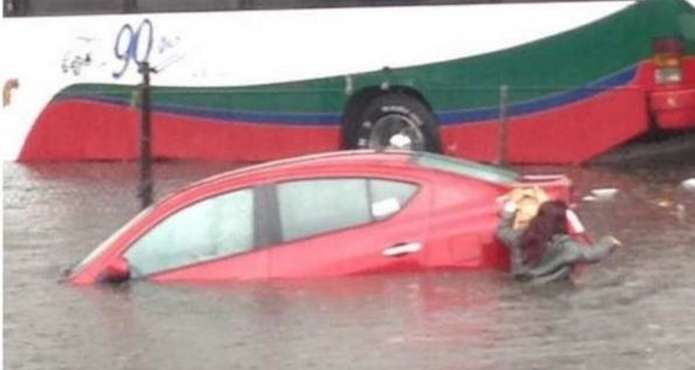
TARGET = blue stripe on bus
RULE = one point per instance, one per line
(445, 117)
(540, 104)
(323, 119)
(327, 119)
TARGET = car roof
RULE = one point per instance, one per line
(353, 157)
(367, 158)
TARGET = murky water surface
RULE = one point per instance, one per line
(635, 310)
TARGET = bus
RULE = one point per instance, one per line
(252, 80)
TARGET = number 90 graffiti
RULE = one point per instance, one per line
(129, 45)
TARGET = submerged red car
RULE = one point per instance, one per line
(330, 214)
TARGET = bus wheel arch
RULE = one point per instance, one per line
(399, 117)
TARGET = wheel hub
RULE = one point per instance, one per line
(396, 131)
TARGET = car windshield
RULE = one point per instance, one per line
(466, 168)
(107, 243)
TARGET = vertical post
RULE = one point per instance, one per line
(145, 190)
(130, 6)
(17, 8)
(502, 141)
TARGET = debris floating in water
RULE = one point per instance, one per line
(689, 184)
(680, 212)
(664, 203)
(600, 194)
(604, 192)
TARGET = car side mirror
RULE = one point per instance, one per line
(117, 271)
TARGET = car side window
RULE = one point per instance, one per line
(387, 197)
(316, 206)
(212, 228)
(312, 207)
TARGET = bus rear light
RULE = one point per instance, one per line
(668, 54)
(668, 75)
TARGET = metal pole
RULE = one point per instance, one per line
(502, 142)
(145, 190)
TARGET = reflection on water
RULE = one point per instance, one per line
(632, 311)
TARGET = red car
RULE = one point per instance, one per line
(323, 215)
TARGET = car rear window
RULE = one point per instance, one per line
(318, 206)
(387, 197)
(463, 167)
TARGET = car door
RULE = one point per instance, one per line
(212, 239)
(342, 226)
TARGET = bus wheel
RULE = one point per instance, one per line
(394, 121)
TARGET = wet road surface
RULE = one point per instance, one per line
(632, 311)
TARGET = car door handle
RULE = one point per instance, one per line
(402, 249)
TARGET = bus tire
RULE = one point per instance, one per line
(394, 121)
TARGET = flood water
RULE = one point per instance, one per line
(633, 311)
